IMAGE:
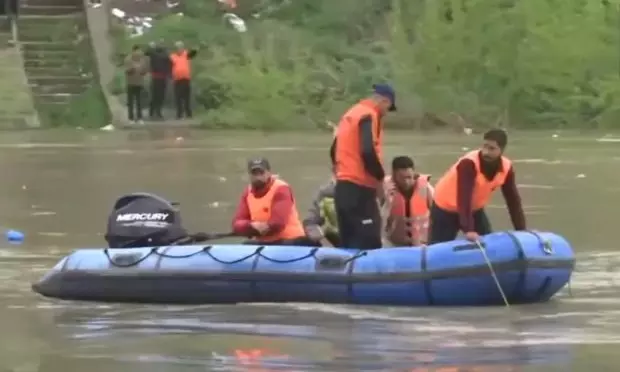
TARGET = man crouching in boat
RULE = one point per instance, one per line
(409, 198)
(466, 188)
(267, 212)
(321, 225)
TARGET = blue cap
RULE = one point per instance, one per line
(386, 91)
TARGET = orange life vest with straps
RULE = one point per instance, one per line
(260, 210)
(348, 158)
(410, 218)
(446, 188)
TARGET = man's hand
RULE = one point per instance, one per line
(389, 188)
(385, 191)
(472, 236)
(315, 233)
(260, 227)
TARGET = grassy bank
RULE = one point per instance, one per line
(519, 64)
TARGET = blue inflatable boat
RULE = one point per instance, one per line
(530, 266)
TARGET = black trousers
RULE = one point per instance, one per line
(445, 225)
(158, 94)
(182, 93)
(134, 102)
(359, 219)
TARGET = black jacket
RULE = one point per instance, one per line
(159, 61)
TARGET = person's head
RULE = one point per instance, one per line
(385, 97)
(136, 50)
(179, 46)
(259, 171)
(495, 141)
(403, 172)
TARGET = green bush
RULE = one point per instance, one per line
(527, 63)
(88, 110)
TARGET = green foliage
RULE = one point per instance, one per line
(526, 63)
(88, 110)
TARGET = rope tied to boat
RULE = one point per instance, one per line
(545, 244)
(126, 260)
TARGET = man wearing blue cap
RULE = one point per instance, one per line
(357, 157)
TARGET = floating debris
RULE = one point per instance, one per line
(107, 128)
(54, 234)
(43, 213)
(237, 22)
(608, 139)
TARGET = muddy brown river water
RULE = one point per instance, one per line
(59, 187)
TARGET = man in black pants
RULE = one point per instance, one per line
(135, 69)
(356, 153)
(181, 74)
(160, 73)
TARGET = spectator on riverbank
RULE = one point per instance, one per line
(181, 75)
(160, 66)
(135, 69)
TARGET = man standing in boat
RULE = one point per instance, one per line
(466, 188)
(356, 153)
(267, 212)
(409, 197)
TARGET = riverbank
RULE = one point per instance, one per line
(299, 65)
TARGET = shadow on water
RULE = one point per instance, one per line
(60, 196)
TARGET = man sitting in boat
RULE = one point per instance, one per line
(267, 212)
(321, 225)
(409, 198)
(462, 193)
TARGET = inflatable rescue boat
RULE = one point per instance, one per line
(530, 267)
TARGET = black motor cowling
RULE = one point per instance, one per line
(144, 220)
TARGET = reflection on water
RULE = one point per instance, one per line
(60, 194)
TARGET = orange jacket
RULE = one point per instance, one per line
(409, 219)
(181, 66)
(446, 187)
(350, 158)
(260, 210)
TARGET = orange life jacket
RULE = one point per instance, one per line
(410, 229)
(446, 187)
(349, 164)
(181, 68)
(260, 210)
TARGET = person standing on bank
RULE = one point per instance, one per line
(135, 69)
(356, 154)
(466, 188)
(181, 75)
(160, 66)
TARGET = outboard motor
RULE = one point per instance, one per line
(145, 220)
